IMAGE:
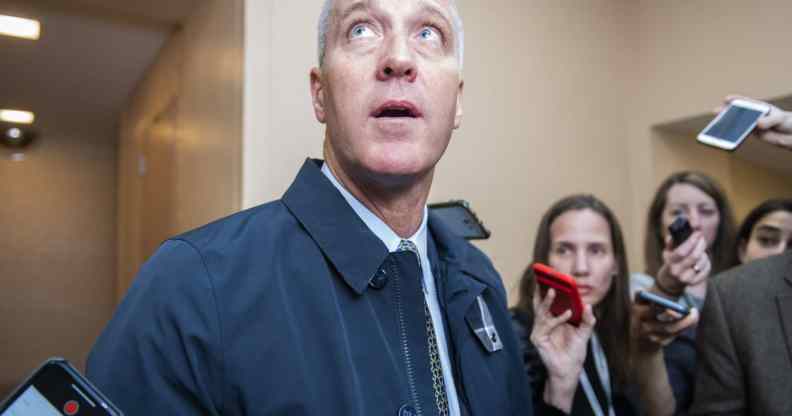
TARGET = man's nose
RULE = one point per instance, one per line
(397, 60)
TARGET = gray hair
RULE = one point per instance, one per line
(324, 27)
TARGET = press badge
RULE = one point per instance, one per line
(481, 322)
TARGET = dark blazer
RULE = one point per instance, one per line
(296, 308)
(745, 341)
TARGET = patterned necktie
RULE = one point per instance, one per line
(438, 382)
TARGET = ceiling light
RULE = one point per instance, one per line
(17, 116)
(17, 137)
(19, 27)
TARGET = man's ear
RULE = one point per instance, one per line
(458, 115)
(318, 94)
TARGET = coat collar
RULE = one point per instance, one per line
(351, 247)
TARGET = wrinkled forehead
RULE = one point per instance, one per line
(343, 8)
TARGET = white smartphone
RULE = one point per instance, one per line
(733, 124)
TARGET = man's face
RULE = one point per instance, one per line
(389, 87)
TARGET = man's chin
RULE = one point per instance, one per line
(396, 171)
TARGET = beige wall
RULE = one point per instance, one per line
(57, 227)
(184, 124)
(692, 53)
(280, 130)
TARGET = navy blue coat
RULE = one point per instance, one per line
(296, 308)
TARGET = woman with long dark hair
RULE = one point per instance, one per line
(765, 231)
(612, 360)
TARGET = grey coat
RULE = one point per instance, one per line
(745, 341)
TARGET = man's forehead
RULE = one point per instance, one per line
(344, 7)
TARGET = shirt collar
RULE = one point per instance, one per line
(375, 224)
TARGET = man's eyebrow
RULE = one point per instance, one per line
(437, 12)
(357, 6)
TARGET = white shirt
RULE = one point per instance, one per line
(391, 241)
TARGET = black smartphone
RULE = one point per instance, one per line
(56, 389)
(662, 302)
(458, 216)
(680, 230)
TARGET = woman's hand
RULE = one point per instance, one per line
(562, 348)
(686, 265)
(653, 328)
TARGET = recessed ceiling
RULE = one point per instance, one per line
(90, 57)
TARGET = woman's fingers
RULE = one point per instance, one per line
(589, 320)
(685, 249)
(689, 262)
(668, 325)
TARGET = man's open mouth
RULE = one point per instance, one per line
(393, 109)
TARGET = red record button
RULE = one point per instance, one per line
(71, 408)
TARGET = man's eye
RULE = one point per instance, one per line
(360, 31)
(429, 33)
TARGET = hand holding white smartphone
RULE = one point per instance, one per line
(733, 124)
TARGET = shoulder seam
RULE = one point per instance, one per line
(221, 338)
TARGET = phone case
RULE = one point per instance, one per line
(662, 302)
(567, 295)
(458, 216)
(680, 230)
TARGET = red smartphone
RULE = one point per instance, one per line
(567, 295)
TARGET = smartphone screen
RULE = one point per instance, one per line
(31, 402)
(734, 124)
(57, 389)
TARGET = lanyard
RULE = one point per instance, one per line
(602, 371)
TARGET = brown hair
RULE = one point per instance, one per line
(613, 312)
(721, 250)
